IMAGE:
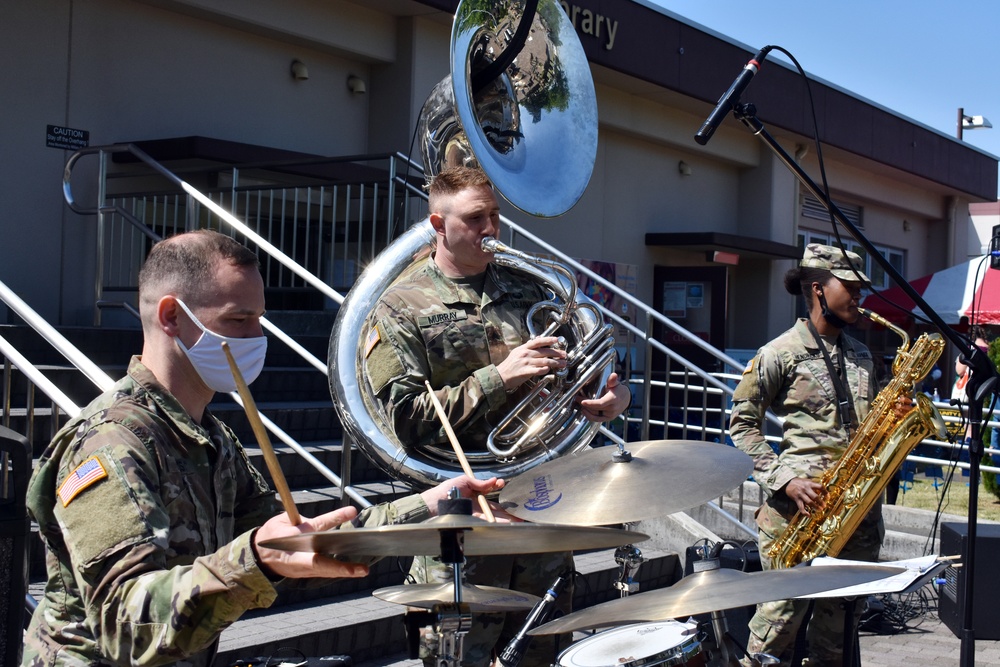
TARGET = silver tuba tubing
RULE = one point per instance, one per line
(545, 414)
(564, 430)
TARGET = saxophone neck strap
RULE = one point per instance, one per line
(845, 406)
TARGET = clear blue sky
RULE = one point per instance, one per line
(922, 59)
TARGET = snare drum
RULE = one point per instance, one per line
(639, 645)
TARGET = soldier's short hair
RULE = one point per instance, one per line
(185, 265)
(453, 180)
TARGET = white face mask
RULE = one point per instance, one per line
(209, 359)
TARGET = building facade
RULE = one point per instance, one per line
(722, 220)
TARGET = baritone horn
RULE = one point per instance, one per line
(520, 104)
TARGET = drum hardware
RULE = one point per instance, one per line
(452, 620)
(514, 651)
(629, 558)
(710, 561)
(610, 485)
(715, 590)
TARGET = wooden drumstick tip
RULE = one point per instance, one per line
(262, 439)
(484, 504)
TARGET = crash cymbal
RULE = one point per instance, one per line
(716, 590)
(481, 599)
(481, 538)
(591, 488)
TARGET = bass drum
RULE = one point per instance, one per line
(639, 645)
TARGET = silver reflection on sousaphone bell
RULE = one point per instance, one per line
(533, 131)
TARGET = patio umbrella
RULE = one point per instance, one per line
(969, 290)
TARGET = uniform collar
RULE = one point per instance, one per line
(498, 283)
(167, 403)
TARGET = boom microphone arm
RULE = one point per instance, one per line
(983, 376)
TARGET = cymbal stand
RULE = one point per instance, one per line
(629, 558)
(453, 620)
(719, 626)
(711, 560)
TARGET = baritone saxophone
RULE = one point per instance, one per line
(883, 440)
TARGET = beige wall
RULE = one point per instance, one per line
(130, 71)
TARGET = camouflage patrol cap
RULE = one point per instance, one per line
(818, 256)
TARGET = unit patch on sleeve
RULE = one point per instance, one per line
(86, 474)
(373, 339)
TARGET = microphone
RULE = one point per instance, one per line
(514, 651)
(729, 99)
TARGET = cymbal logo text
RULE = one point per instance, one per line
(541, 498)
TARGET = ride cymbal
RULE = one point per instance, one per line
(716, 590)
(481, 538)
(481, 599)
(593, 487)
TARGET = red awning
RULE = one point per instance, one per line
(970, 290)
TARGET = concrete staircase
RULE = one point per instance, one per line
(340, 617)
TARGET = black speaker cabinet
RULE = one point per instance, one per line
(985, 582)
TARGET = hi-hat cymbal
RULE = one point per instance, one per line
(590, 488)
(481, 599)
(481, 538)
(716, 590)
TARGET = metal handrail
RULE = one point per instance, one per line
(196, 194)
(54, 393)
(56, 339)
(715, 382)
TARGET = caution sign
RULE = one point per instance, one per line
(66, 138)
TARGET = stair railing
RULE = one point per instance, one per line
(712, 388)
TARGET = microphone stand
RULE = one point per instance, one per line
(983, 377)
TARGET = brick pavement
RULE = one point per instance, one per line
(925, 642)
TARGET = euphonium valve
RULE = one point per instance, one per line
(547, 410)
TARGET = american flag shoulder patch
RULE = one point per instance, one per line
(373, 339)
(86, 474)
(749, 367)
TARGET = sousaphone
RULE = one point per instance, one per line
(520, 103)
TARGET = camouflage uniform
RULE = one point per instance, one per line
(448, 332)
(150, 560)
(790, 376)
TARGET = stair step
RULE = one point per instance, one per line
(369, 629)
(299, 472)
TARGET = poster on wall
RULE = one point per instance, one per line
(695, 295)
(675, 300)
(622, 276)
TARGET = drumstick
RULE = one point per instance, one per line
(439, 409)
(265, 443)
